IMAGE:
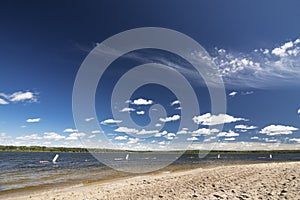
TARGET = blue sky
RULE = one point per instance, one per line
(255, 45)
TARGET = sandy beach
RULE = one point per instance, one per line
(251, 181)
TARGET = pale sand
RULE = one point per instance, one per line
(251, 181)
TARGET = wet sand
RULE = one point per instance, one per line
(249, 181)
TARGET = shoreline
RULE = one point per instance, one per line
(182, 184)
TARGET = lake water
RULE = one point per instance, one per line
(23, 170)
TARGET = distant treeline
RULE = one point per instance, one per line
(40, 149)
(82, 150)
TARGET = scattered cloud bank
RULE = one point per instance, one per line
(210, 120)
(33, 120)
(272, 130)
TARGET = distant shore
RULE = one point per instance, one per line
(264, 180)
(84, 150)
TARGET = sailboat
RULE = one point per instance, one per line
(55, 159)
(271, 156)
(127, 157)
(219, 156)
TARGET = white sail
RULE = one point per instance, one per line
(55, 158)
(271, 156)
(127, 157)
(219, 156)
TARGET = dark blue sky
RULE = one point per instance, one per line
(43, 44)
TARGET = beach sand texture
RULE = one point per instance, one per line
(251, 181)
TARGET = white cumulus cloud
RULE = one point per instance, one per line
(75, 136)
(33, 120)
(29, 137)
(241, 126)
(140, 112)
(133, 140)
(126, 130)
(209, 119)
(22, 96)
(175, 102)
(89, 119)
(169, 119)
(110, 121)
(230, 139)
(53, 136)
(295, 140)
(96, 132)
(141, 101)
(230, 133)
(282, 51)
(204, 131)
(121, 137)
(192, 139)
(278, 130)
(127, 110)
(70, 130)
(232, 94)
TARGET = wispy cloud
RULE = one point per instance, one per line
(261, 67)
